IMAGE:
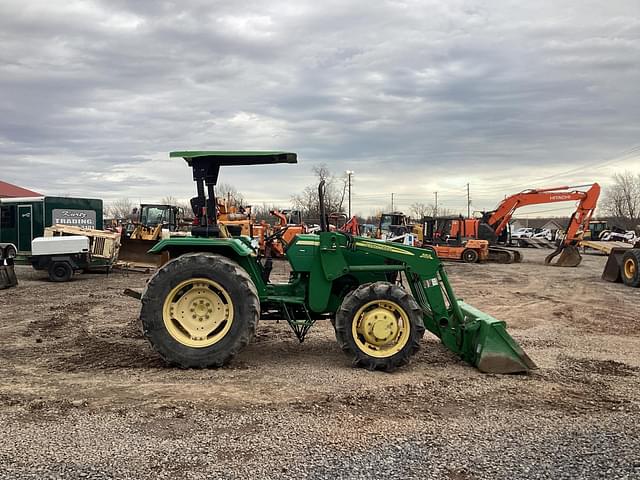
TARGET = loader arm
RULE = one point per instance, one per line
(475, 336)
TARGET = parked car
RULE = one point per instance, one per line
(524, 232)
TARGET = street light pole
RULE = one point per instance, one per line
(435, 209)
(349, 173)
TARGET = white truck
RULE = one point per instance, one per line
(61, 256)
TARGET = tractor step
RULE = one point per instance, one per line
(300, 327)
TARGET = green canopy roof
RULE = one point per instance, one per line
(237, 157)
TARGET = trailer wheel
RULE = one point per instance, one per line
(10, 251)
(379, 325)
(199, 310)
(631, 268)
(60, 272)
(470, 256)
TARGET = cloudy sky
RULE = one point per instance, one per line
(413, 96)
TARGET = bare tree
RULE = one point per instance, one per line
(420, 210)
(262, 212)
(335, 192)
(120, 209)
(230, 194)
(622, 199)
(169, 200)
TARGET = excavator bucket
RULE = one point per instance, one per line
(487, 345)
(612, 269)
(569, 256)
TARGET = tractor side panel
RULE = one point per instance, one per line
(302, 252)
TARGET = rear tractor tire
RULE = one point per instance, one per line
(199, 310)
(631, 268)
(470, 256)
(379, 325)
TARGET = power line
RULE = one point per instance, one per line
(623, 156)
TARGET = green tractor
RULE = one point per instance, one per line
(203, 305)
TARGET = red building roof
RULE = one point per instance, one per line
(8, 190)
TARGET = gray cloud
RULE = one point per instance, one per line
(415, 96)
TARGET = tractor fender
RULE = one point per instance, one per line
(233, 248)
(229, 247)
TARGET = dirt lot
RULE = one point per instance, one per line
(83, 395)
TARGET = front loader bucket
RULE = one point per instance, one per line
(569, 256)
(487, 345)
(612, 269)
(135, 252)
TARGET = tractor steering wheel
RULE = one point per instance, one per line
(278, 236)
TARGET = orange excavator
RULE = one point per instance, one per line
(494, 223)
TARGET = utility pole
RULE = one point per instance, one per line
(435, 210)
(349, 173)
(468, 202)
(392, 202)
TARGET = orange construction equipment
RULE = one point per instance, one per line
(451, 240)
(341, 223)
(352, 226)
(290, 224)
(587, 200)
(473, 228)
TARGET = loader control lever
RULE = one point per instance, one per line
(278, 236)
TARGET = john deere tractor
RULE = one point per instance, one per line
(202, 306)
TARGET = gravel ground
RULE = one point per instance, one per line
(83, 396)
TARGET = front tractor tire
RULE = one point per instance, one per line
(199, 310)
(379, 325)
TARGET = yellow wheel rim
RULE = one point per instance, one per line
(198, 312)
(629, 268)
(381, 328)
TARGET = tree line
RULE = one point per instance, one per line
(620, 202)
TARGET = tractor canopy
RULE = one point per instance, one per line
(235, 158)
